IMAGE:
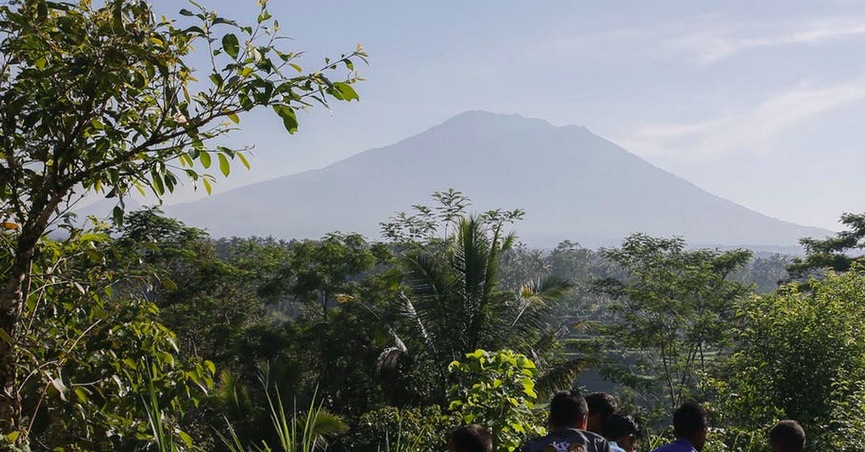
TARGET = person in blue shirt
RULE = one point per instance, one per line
(690, 427)
(622, 431)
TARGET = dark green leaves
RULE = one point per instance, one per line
(344, 91)
(289, 118)
(230, 45)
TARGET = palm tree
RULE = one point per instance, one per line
(454, 303)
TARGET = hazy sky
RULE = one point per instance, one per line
(762, 104)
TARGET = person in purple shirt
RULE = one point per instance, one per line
(690, 427)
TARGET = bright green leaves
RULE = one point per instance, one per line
(224, 166)
(795, 342)
(205, 160)
(243, 160)
(498, 388)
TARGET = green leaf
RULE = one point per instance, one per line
(347, 93)
(224, 166)
(234, 118)
(289, 118)
(81, 393)
(230, 45)
(158, 186)
(117, 215)
(207, 187)
(204, 158)
(185, 437)
(169, 283)
(243, 159)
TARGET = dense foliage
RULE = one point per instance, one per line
(348, 328)
(801, 355)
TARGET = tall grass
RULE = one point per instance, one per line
(402, 443)
(163, 440)
(295, 432)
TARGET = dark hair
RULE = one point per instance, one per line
(688, 420)
(789, 435)
(471, 438)
(601, 403)
(621, 424)
(567, 409)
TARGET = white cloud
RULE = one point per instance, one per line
(712, 45)
(753, 129)
(704, 39)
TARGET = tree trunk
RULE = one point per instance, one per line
(12, 297)
(10, 406)
(11, 302)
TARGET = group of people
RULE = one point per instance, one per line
(594, 424)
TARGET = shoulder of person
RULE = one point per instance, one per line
(570, 436)
(595, 438)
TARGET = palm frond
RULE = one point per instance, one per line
(560, 375)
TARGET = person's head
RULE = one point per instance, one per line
(601, 406)
(623, 429)
(690, 423)
(568, 410)
(787, 436)
(470, 438)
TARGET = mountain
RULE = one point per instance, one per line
(573, 185)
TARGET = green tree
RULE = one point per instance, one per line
(320, 271)
(210, 303)
(673, 311)
(98, 97)
(454, 302)
(765, 272)
(800, 355)
(91, 357)
(837, 253)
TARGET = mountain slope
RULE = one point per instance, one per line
(573, 185)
